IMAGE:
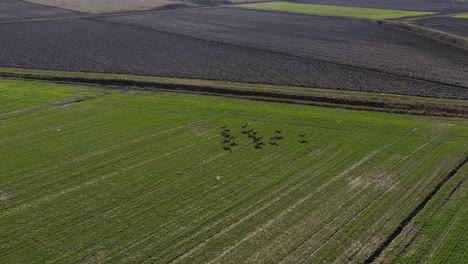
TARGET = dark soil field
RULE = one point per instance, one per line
(242, 45)
(458, 26)
(416, 5)
(350, 42)
(18, 10)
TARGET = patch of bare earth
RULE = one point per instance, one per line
(4, 197)
(98, 257)
(201, 128)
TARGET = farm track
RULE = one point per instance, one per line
(264, 53)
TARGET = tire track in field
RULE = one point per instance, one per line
(267, 199)
(330, 223)
(113, 147)
(394, 165)
(283, 191)
(301, 172)
(209, 160)
(445, 233)
(115, 208)
(307, 197)
(208, 118)
(87, 220)
(363, 209)
(93, 181)
(172, 182)
(396, 232)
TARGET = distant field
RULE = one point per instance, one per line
(236, 44)
(107, 6)
(115, 6)
(411, 5)
(464, 15)
(448, 24)
(11, 10)
(93, 175)
(329, 10)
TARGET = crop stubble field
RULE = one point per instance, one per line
(91, 174)
(242, 45)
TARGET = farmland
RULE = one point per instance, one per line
(439, 234)
(113, 6)
(413, 5)
(232, 131)
(221, 43)
(18, 10)
(465, 15)
(329, 10)
(452, 25)
(92, 174)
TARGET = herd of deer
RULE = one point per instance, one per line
(228, 140)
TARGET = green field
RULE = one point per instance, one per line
(92, 175)
(464, 15)
(440, 233)
(330, 10)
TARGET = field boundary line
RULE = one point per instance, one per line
(321, 187)
(371, 203)
(300, 202)
(396, 232)
(404, 104)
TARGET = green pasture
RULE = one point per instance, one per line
(92, 175)
(330, 10)
(463, 15)
(440, 233)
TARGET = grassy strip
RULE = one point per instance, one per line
(449, 38)
(330, 10)
(463, 15)
(299, 95)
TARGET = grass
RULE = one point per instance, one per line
(330, 10)
(439, 234)
(290, 94)
(98, 175)
(463, 15)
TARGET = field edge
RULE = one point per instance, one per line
(381, 102)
